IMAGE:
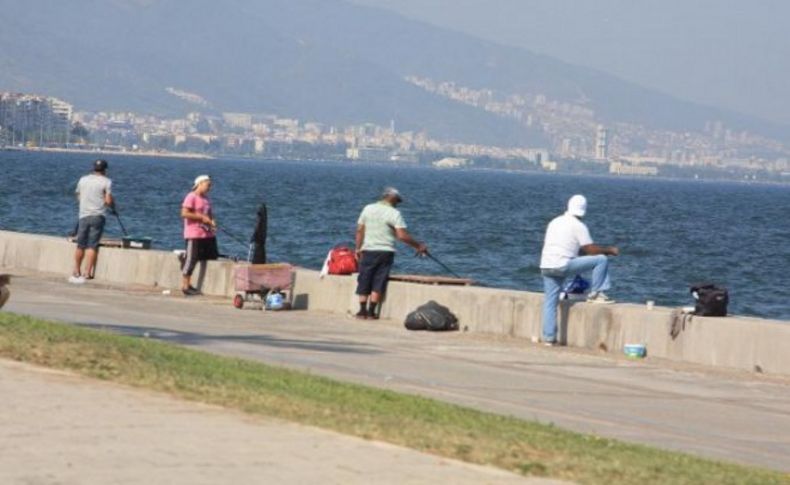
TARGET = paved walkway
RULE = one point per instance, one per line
(57, 428)
(723, 415)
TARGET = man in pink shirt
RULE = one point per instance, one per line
(199, 231)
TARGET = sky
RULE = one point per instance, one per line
(732, 54)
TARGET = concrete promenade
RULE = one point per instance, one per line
(730, 415)
(749, 344)
(57, 428)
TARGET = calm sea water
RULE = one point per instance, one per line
(485, 225)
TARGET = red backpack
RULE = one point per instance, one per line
(342, 261)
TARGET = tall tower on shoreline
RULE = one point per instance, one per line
(602, 143)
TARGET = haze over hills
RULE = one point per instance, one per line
(322, 60)
(733, 54)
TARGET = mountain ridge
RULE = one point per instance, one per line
(322, 60)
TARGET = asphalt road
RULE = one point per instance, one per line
(723, 415)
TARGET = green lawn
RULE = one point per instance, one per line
(423, 424)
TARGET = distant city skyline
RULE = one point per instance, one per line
(578, 144)
(336, 80)
(731, 54)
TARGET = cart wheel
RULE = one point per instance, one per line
(238, 301)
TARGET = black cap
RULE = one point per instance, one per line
(100, 165)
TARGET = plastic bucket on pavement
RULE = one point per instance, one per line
(635, 351)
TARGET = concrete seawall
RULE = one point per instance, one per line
(749, 344)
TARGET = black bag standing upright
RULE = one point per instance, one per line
(431, 316)
(258, 240)
(710, 300)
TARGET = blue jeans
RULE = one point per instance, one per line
(554, 279)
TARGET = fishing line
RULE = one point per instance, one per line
(233, 237)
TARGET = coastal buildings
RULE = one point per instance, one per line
(32, 120)
(624, 168)
(369, 154)
(451, 162)
(575, 141)
(575, 132)
(601, 143)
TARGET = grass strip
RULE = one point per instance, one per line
(423, 424)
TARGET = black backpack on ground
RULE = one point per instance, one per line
(431, 316)
(710, 300)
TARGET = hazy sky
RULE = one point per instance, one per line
(728, 53)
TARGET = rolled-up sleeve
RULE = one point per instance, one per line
(398, 222)
(189, 202)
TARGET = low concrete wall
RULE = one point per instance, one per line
(736, 342)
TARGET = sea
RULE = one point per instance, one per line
(484, 225)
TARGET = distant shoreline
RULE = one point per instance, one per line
(231, 158)
(147, 153)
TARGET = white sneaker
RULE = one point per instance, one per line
(76, 280)
(599, 298)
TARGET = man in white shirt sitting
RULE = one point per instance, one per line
(566, 238)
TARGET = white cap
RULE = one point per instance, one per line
(200, 179)
(391, 191)
(577, 206)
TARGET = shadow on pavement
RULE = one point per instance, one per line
(197, 339)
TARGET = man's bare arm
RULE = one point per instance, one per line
(404, 236)
(595, 249)
(359, 239)
(194, 216)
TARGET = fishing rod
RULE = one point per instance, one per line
(431, 256)
(444, 266)
(247, 245)
(114, 211)
(237, 240)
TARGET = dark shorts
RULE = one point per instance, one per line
(199, 250)
(374, 271)
(89, 232)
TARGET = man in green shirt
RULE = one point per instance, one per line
(379, 225)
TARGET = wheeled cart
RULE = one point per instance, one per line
(253, 282)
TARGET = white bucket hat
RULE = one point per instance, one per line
(577, 206)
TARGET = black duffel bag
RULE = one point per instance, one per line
(710, 300)
(431, 316)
